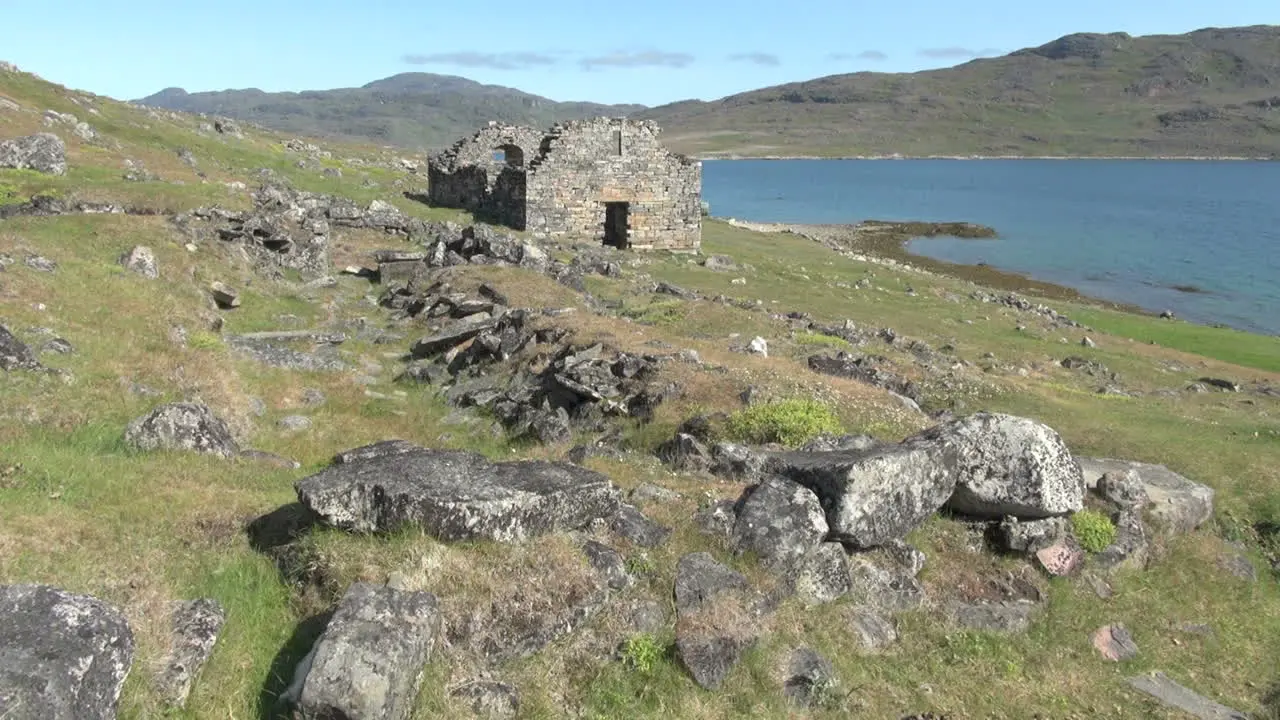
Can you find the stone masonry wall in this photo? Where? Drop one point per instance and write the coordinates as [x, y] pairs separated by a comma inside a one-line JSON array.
[[579, 169], [468, 177]]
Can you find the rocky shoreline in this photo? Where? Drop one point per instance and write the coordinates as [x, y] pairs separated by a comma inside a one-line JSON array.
[[885, 243]]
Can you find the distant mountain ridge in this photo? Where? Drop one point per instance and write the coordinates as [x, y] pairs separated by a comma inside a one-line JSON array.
[[412, 110], [1211, 92]]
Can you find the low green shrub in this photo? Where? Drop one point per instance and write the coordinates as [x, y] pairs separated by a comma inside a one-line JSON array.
[[642, 653], [789, 422], [658, 312], [204, 340], [1093, 529]]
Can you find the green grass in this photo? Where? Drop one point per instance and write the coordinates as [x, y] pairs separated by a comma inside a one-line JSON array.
[[1232, 346]]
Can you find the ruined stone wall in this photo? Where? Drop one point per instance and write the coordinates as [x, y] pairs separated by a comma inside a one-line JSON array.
[[468, 177], [579, 169]]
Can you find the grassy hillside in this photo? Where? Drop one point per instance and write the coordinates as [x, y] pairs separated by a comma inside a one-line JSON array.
[[81, 510], [1209, 92], [411, 110]]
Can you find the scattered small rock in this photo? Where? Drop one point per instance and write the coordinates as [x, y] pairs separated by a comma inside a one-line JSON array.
[[632, 525], [40, 263], [294, 423], [810, 677], [490, 699], [141, 260], [225, 297], [872, 630], [1171, 694], [1060, 559], [1010, 617], [1114, 643]]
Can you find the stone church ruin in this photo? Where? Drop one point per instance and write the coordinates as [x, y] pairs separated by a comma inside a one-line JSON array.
[[605, 178]]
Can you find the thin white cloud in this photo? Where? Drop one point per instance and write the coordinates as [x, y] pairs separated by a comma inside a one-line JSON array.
[[647, 58], [872, 55], [957, 53], [492, 61], [758, 58]]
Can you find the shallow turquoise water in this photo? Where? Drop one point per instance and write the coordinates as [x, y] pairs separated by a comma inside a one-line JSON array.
[[1125, 230]]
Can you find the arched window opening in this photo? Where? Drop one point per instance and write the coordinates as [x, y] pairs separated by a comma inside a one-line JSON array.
[[510, 155]]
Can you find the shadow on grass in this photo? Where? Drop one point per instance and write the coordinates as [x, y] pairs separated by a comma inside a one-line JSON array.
[[271, 706], [270, 532]]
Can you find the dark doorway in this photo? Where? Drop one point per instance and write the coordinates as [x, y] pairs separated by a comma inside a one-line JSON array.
[[615, 224]]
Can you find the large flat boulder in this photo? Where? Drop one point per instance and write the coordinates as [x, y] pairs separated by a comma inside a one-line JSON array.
[[1010, 466], [62, 656], [456, 495], [368, 662], [182, 426], [1176, 504], [874, 497]]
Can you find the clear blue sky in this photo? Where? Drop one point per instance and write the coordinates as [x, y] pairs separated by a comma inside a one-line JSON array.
[[647, 52]]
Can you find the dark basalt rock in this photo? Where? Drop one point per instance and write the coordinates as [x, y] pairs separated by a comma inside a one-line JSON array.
[[458, 495], [716, 625], [808, 676], [780, 522], [632, 524], [864, 368], [62, 656]]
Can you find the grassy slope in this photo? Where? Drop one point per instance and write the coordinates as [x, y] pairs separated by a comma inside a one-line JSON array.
[[1103, 96], [141, 530]]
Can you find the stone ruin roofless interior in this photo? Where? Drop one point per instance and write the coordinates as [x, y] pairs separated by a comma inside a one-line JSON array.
[[607, 179]]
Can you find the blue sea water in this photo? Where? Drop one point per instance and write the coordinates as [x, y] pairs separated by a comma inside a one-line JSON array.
[[1123, 230]]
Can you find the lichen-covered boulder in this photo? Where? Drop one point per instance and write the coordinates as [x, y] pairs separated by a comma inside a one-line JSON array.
[[457, 495], [15, 354], [141, 260], [1008, 465], [874, 497], [182, 426], [1176, 504], [196, 625], [62, 656], [780, 522], [368, 662], [42, 152]]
